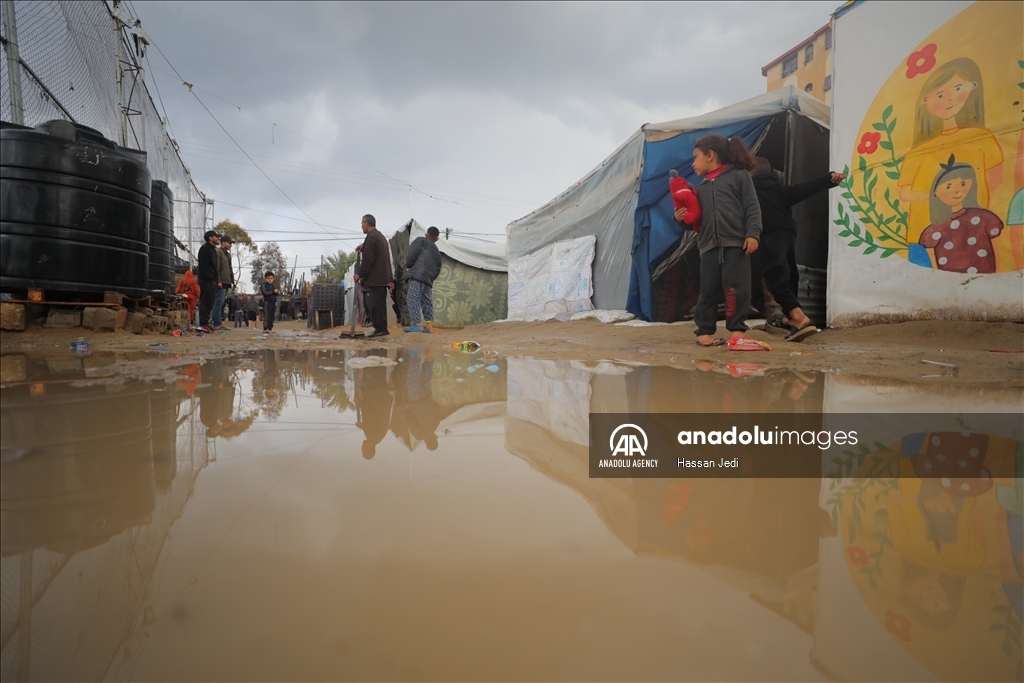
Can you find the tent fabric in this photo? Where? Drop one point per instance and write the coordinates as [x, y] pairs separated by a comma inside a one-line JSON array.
[[472, 287], [624, 201], [601, 204], [475, 254], [551, 281]]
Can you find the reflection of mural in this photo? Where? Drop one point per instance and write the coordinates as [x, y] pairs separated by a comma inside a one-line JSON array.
[[936, 552], [951, 112]]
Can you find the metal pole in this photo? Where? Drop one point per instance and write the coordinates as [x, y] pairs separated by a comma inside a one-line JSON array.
[[13, 68], [188, 186]]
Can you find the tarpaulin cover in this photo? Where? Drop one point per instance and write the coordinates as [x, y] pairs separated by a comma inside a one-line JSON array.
[[552, 280], [655, 230]]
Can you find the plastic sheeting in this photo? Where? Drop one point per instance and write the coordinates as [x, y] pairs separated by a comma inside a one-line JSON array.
[[553, 280], [600, 205]]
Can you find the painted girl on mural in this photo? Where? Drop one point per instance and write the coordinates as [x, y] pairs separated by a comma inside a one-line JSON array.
[[960, 232], [949, 119]]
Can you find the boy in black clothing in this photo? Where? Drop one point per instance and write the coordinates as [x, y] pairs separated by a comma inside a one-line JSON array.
[[270, 293], [778, 237]]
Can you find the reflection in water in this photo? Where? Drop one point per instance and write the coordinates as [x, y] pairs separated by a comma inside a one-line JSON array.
[[443, 557]]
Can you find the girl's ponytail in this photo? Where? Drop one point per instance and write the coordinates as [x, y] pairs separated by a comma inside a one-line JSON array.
[[732, 150], [739, 154]]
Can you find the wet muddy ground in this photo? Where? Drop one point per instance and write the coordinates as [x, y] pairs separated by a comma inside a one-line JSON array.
[[305, 509]]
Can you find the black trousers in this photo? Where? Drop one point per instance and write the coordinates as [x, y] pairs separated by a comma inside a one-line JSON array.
[[377, 307], [776, 249], [207, 300], [728, 280], [269, 309]]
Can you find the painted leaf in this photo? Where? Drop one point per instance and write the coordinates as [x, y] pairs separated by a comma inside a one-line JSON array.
[[887, 112]]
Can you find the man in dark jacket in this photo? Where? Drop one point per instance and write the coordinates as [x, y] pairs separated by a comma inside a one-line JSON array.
[[422, 266], [778, 237], [375, 274], [208, 274], [227, 280]]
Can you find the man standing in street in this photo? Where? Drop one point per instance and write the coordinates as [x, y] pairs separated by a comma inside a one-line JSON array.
[[422, 266], [226, 277], [208, 273], [375, 274]]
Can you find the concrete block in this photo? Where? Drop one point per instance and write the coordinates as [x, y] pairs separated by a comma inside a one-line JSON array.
[[156, 323], [63, 317], [100, 319], [120, 316], [144, 311], [135, 322], [12, 316], [113, 298], [13, 368]]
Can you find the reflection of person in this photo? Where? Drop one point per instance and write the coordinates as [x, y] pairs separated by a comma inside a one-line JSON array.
[[422, 266], [212, 397], [423, 413], [950, 119], [961, 232], [209, 277], [778, 236], [375, 274], [373, 407]]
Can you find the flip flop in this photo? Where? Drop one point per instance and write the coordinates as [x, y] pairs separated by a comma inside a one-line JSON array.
[[413, 329], [717, 341], [798, 335]]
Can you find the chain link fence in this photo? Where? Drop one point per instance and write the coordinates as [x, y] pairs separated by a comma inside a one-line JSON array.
[[82, 61]]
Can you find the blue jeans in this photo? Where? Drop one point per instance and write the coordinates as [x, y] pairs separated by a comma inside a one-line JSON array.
[[218, 306]]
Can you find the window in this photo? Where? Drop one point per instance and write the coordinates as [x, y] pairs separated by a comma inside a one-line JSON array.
[[789, 65], [828, 39], [828, 83], [809, 54], [809, 87]]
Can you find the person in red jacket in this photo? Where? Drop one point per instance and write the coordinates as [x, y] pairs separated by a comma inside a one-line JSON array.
[[188, 288]]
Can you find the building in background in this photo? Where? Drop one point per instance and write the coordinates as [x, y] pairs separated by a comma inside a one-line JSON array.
[[807, 66]]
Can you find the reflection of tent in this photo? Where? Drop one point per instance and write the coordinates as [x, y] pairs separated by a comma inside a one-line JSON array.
[[473, 285], [624, 202]]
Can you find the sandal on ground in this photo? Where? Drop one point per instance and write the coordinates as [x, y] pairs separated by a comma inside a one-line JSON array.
[[717, 341], [798, 335], [413, 328]]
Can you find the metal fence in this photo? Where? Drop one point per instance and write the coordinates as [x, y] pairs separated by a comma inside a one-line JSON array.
[[85, 61]]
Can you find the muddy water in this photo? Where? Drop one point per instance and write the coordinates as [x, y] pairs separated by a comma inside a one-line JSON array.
[[386, 516]]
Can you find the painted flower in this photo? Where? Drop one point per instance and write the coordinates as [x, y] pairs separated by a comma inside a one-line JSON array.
[[897, 624], [922, 61], [858, 556], [869, 142]]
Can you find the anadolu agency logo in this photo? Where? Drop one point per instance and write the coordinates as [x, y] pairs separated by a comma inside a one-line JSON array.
[[628, 445]]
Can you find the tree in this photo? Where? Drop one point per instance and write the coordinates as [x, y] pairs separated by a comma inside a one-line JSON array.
[[269, 258], [244, 248], [334, 267]]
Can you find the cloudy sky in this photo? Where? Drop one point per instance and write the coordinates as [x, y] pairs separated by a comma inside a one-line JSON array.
[[486, 111]]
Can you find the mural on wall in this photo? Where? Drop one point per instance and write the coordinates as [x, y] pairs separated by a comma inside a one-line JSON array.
[[932, 531], [938, 167]]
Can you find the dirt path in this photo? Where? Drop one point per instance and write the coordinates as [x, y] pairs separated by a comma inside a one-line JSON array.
[[966, 352]]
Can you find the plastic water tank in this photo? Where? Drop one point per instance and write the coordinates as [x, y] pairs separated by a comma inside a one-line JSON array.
[[161, 239], [74, 211]]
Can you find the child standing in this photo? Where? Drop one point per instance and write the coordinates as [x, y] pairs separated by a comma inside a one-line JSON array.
[[270, 293], [730, 230]]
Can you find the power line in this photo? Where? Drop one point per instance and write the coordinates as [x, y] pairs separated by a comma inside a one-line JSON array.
[[410, 186]]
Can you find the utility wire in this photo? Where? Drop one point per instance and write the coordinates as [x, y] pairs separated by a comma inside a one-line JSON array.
[[404, 183], [265, 175]]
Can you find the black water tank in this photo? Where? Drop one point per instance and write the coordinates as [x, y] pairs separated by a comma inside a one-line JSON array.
[[74, 211], [161, 239]]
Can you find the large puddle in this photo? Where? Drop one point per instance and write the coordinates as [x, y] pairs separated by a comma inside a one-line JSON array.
[[415, 516]]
